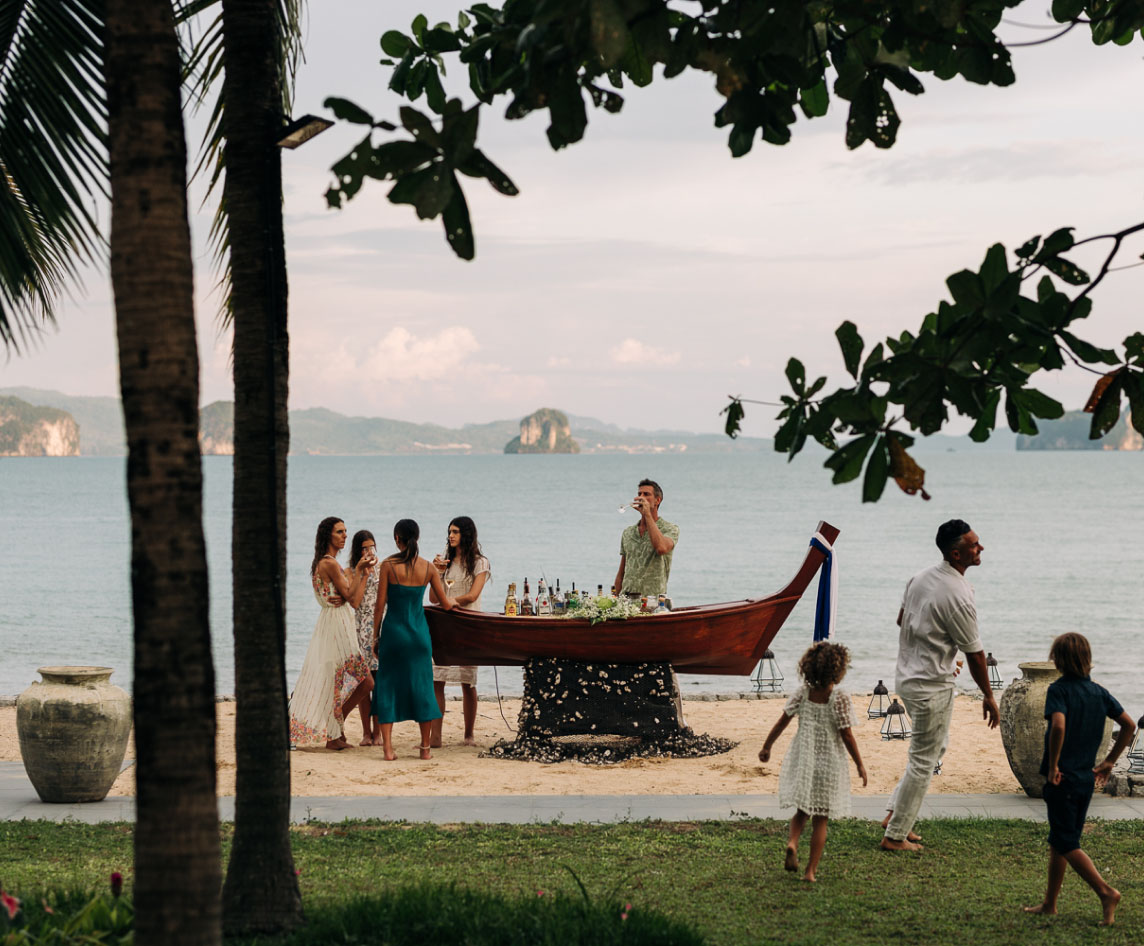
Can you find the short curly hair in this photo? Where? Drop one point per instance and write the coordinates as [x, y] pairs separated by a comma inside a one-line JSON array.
[[824, 664]]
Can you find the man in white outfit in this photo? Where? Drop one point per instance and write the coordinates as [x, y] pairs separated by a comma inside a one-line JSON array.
[[938, 618]]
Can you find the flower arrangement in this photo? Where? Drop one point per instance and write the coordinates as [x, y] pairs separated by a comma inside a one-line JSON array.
[[609, 609]]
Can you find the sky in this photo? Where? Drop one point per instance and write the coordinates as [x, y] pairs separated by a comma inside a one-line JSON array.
[[643, 275]]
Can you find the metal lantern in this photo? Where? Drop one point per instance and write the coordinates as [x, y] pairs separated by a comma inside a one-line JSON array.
[[995, 680], [767, 676], [877, 708], [1136, 750], [897, 723]]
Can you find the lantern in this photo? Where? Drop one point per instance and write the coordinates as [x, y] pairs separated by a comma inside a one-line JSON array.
[[1136, 750], [877, 707], [768, 677], [995, 680], [897, 723]]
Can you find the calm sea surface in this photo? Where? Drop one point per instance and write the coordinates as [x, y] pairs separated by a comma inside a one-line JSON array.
[[1061, 534]]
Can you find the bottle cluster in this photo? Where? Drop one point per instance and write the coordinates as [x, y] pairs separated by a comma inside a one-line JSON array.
[[551, 602]]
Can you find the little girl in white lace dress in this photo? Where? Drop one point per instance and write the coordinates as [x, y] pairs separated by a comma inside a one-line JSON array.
[[815, 777]]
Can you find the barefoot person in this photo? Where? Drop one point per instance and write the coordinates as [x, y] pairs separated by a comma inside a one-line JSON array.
[[335, 677], [1076, 709], [404, 687], [465, 572], [938, 618], [363, 547], [815, 778]]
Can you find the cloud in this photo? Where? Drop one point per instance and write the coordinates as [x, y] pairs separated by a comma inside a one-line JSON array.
[[402, 356], [744, 362], [631, 351]]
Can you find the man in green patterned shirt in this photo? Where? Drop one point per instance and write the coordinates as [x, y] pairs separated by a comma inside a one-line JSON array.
[[646, 547]]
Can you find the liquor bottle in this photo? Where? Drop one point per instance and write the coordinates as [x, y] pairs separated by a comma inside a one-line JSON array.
[[543, 602], [661, 603], [557, 595], [585, 598], [526, 602], [599, 591], [558, 605], [510, 606]]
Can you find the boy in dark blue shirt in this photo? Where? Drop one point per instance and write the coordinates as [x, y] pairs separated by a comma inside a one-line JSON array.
[[1076, 709]]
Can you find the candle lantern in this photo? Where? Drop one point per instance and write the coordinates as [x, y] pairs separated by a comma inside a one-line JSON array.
[[767, 676], [878, 702], [897, 723], [995, 680], [1136, 750]]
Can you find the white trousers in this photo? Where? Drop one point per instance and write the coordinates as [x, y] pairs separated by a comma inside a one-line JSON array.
[[929, 720]]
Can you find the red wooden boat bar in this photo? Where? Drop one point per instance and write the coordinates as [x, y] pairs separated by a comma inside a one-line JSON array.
[[728, 638]]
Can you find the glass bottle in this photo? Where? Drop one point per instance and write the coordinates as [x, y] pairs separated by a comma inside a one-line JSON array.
[[510, 606]]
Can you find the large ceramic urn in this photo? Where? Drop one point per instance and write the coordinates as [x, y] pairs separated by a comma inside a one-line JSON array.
[[73, 728], [1023, 724]]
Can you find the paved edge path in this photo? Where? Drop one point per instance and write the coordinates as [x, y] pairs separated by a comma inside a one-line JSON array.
[[18, 801]]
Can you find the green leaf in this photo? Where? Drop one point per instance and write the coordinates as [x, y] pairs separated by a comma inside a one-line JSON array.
[[994, 269], [347, 111], [1134, 347], [987, 419], [735, 415], [851, 344], [419, 25], [458, 226], [796, 375], [1106, 412], [1134, 387], [396, 158], [429, 191], [1041, 405], [847, 461], [1069, 272], [608, 30], [1028, 248], [438, 40], [1064, 11], [873, 359], [877, 472], [636, 65], [478, 165], [815, 101], [434, 91], [1055, 243], [420, 126], [965, 287], [1087, 352], [395, 43]]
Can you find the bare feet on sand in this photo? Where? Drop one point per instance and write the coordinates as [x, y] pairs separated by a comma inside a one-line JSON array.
[[1042, 908], [890, 845], [337, 745], [791, 860], [425, 753], [390, 755], [434, 743], [367, 741], [470, 741], [1108, 903]]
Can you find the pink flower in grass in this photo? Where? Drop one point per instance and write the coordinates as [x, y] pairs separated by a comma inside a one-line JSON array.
[[116, 884], [626, 910], [44, 904], [540, 893], [10, 903]]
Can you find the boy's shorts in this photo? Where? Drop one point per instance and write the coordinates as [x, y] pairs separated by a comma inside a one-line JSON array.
[[1067, 806]]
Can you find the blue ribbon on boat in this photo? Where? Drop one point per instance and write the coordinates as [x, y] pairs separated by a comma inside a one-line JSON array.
[[827, 606]]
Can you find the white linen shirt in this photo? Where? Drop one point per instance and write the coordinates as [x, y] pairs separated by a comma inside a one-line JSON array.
[[939, 618]]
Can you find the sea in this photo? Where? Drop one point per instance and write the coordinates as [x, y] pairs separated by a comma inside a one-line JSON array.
[[1061, 532]]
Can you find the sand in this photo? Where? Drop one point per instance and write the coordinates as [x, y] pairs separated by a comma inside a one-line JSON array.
[[974, 763]]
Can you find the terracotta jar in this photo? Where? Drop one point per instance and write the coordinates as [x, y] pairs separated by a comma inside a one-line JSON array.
[[1023, 724], [73, 728]]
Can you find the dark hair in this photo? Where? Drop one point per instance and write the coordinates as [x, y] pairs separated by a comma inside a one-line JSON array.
[[468, 549], [1072, 654], [407, 532], [654, 485], [823, 664], [322, 540], [948, 534], [360, 538]]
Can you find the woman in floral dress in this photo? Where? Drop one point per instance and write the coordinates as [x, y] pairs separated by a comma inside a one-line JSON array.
[[335, 677], [364, 547]]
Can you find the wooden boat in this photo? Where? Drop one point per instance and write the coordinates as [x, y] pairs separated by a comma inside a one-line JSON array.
[[727, 638]]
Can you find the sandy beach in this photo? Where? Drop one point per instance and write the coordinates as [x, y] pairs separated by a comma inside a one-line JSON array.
[[975, 762]]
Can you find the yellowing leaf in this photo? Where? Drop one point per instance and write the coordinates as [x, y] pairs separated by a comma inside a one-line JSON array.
[[905, 471]]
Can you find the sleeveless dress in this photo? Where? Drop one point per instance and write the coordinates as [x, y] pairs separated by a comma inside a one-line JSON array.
[[815, 776], [403, 687], [365, 618], [334, 667], [462, 585]]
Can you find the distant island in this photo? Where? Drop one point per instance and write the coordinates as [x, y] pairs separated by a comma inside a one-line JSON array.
[[28, 430], [544, 431], [1070, 432]]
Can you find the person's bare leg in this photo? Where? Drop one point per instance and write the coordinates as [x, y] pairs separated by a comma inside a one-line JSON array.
[[797, 823], [817, 844], [912, 836], [1109, 896], [364, 707], [469, 704], [426, 735], [1057, 865], [434, 739], [387, 741]]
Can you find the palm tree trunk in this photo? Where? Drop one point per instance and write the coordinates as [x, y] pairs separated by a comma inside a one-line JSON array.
[[177, 855], [261, 892]]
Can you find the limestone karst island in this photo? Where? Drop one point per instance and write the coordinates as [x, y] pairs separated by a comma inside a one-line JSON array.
[[544, 431]]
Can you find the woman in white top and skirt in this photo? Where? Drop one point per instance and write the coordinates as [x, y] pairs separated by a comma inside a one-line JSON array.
[[465, 572]]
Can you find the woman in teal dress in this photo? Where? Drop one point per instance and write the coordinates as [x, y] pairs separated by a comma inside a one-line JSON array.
[[403, 684]]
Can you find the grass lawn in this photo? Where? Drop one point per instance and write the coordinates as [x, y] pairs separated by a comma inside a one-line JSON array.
[[724, 879]]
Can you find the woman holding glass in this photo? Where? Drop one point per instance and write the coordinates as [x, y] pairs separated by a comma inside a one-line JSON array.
[[465, 572], [363, 548]]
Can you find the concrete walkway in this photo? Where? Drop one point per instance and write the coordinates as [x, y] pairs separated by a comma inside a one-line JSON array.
[[18, 801]]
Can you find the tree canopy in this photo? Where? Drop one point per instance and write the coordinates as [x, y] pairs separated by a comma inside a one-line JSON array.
[[774, 62]]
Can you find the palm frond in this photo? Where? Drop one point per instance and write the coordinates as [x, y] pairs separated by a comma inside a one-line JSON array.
[[204, 67], [53, 155]]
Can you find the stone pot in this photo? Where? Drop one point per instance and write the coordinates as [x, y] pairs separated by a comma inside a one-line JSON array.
[[73, 728], [1023, 724]]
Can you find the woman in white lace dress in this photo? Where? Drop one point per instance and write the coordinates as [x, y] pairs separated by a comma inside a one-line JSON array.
[[335, 677], [465, 572], [815, 777], [363, 547]]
